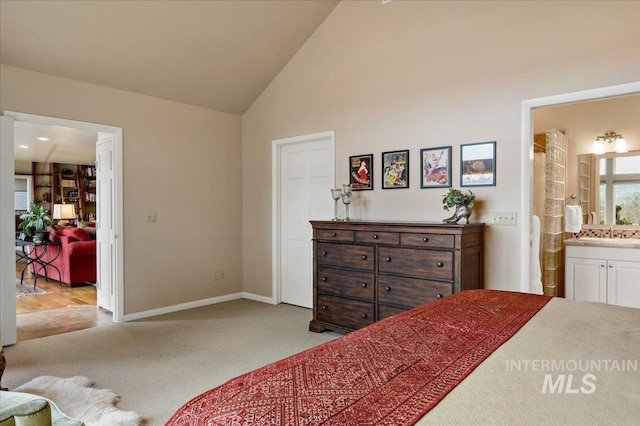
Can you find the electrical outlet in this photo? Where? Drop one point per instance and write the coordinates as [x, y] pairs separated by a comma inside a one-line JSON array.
[[504, 218], [218, 275], [152, 217]]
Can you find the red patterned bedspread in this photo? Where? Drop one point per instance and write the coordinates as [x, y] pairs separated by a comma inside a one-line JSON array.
[[389, 373]]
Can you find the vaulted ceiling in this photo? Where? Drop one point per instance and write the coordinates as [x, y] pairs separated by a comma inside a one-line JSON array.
[[215, 54]]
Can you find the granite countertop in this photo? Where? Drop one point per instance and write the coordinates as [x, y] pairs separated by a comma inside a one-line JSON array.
[[604, 242]]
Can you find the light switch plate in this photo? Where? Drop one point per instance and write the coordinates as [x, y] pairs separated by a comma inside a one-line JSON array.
[[504, 218]]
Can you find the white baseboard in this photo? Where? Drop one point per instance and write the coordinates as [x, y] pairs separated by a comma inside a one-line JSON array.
[[257, 298], [197, 304]]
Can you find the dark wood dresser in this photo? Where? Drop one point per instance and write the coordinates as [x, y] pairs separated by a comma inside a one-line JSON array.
[[365, 271]]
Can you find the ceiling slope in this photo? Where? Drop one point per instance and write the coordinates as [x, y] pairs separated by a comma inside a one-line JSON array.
[[214, 54]]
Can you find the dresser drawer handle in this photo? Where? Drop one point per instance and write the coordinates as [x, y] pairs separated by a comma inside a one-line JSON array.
[[324, 253], [387, 259], [333, 234], [324, 279], [375, 237], [363, 316], [439, 264], [438, 296], [425, 239], [323, 307], [363, 285], [363, 257], [387, 288]]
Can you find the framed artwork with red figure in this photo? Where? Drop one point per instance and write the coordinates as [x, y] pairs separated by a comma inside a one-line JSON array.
[[361, 172]]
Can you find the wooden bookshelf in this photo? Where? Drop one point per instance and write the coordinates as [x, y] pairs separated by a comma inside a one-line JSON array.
[[58, 183], [87, 183], [44, 188]]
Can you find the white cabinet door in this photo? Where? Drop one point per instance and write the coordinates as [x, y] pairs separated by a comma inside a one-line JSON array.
[[623, 283], [586, 280]]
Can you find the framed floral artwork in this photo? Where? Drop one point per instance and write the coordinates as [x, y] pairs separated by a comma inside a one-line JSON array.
[[361, 172], [478, 164], [395, 169], [436, 167]]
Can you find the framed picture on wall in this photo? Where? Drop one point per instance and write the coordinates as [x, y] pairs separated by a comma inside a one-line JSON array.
[[395, 169], [361, 172], [436, 167], [478, 164]]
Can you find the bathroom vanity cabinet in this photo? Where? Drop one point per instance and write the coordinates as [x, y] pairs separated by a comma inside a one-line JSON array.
[[603, 271]]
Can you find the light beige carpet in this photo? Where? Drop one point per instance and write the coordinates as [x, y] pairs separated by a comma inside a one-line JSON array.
[[159, 363]]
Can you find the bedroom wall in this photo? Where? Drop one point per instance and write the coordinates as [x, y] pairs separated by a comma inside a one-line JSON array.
[[179, 160], [410, 75]]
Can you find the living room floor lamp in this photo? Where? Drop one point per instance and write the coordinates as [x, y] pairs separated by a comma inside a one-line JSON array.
[[62, 212]]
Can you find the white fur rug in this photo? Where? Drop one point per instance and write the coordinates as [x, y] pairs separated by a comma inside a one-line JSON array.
[[76, 397]]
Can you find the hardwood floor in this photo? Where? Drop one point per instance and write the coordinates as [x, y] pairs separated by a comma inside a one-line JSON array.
[[61, 310]]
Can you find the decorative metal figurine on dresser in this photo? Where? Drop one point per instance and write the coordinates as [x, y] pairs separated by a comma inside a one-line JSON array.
[[365, 271]]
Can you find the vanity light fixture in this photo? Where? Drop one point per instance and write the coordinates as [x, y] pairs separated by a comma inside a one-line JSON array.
[[42, 138], [609, 137]]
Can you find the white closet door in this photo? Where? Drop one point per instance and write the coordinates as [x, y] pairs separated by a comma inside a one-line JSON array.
[[306, 177]]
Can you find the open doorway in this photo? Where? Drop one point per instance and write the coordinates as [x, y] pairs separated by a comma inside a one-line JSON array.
[[112, 213], [574, 178], [527, 115], [60, 164]]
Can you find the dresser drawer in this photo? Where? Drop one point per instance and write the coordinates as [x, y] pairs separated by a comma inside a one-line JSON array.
[[346, 313], [427, 240], [345, 255], [343, 282], [334, 235], [377, 237], [388, 311], [429, 264], [410, 292]]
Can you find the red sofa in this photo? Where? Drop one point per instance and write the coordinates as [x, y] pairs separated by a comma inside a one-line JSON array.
[[77, 259]]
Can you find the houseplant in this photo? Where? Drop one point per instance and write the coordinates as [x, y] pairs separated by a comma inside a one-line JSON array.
[[462, 202], [35, 222]]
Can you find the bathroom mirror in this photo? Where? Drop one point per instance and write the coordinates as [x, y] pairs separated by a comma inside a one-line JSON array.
[[617, 177]]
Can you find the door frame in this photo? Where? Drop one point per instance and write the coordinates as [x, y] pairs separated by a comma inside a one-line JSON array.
[[118, 311], [526, 200], [276, 199], [7, 230]]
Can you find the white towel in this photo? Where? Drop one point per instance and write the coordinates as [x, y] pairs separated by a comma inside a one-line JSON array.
[[573, 219], [535, 271]]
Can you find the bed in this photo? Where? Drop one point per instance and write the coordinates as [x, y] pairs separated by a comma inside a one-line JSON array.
[[479, 356]]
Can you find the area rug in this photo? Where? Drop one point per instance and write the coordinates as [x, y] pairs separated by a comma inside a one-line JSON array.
[[76, 397], [27, 289]]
